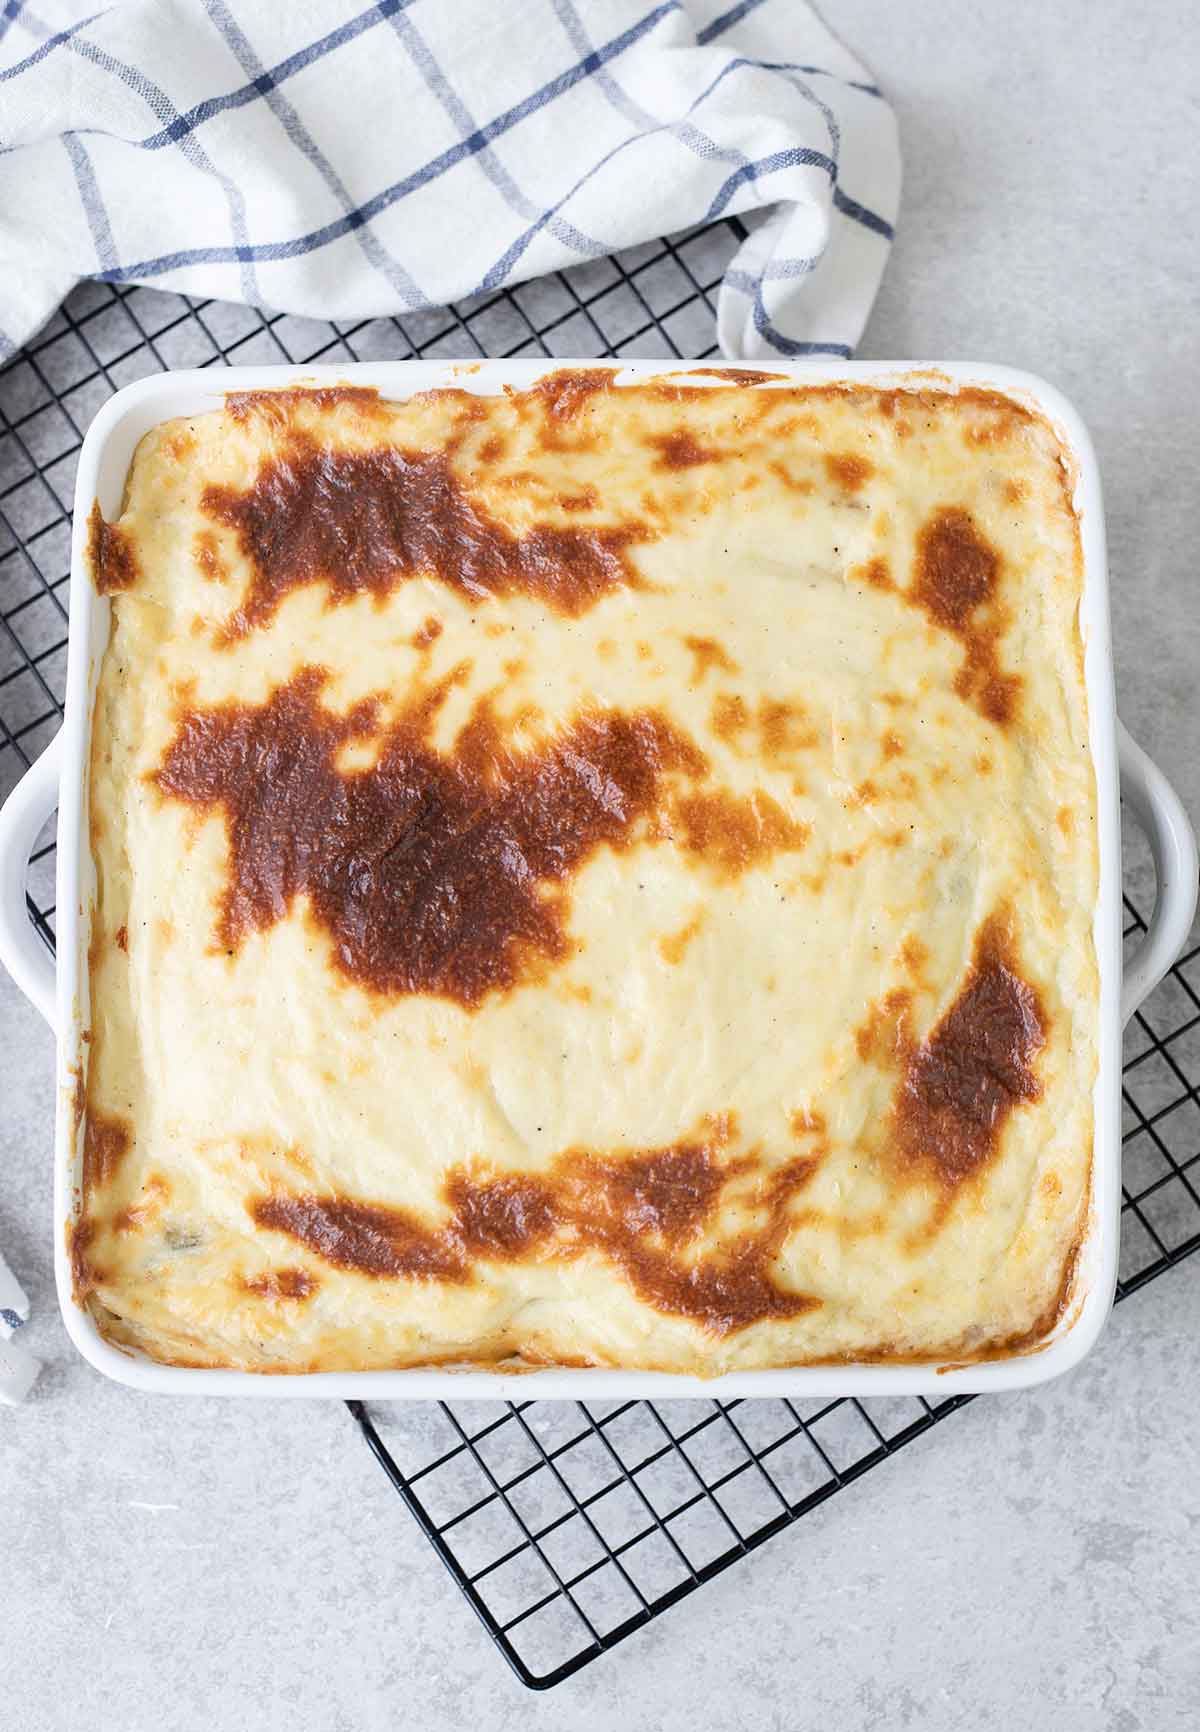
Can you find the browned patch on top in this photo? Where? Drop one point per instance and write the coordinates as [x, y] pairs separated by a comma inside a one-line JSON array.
[[154, 1192], [277, 408], [565, 394], [442, 874], [668, 1192], [993, 429], [848, 469], [427, 633], [493, 448], [279, 1284], [795, 483], [735, 832], [681, 449], [733, 375], [886, 1036], [960, 1084], [122, 938], [956, 568], [643, 1210], [877, 573], [964, 1080], [587, 499], [208, 556], [1001, 412], [708, 654], [1065, 819], [914, 954], [351, 1235], [497, 1218], [782, 727], [808, 1122], [431, 874], [78, 1101], [955, 580], [106, 1141], [111, 554], [995, 416], [95, 936], [730, 715], [672, 947], [85, 1275], [893, 745], [180, 444], [365, 522]]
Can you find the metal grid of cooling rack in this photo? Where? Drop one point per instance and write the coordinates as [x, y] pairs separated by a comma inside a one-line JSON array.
[[566, 1525]]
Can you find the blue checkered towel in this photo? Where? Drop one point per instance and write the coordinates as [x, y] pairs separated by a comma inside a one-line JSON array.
[[343, 161]]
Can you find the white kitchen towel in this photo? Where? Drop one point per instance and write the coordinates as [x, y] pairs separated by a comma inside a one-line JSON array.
[[14, 1306], [344, 161], [18, 1369]]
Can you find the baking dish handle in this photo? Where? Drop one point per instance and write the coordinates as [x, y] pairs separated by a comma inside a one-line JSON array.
[[21, 818], [1159, 811], [1153, 800]]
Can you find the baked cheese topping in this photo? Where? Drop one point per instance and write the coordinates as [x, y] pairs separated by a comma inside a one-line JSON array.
[[593, 875]]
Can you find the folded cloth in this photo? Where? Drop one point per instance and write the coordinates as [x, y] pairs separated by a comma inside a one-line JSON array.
[[343, 161], [19, 1372], [14, 1307], [18, 1369]]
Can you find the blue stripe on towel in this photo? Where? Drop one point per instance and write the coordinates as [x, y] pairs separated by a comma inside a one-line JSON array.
[[400, 189]]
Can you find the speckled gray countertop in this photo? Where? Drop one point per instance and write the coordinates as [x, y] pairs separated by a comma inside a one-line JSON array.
[[195, 1565]]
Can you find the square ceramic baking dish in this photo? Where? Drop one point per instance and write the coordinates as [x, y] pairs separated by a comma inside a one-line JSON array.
[[60, 776]]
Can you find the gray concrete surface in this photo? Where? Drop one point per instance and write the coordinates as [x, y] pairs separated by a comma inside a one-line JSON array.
[[1034, 1561]]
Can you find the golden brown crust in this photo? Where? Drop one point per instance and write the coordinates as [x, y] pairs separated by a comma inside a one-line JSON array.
[[433, 875], [372, 520], [111, 557]]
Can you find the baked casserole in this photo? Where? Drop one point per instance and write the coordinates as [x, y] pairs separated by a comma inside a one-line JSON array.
[[591, 875]]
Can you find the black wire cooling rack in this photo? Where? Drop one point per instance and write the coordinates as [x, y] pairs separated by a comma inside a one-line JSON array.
[[567, 1525]]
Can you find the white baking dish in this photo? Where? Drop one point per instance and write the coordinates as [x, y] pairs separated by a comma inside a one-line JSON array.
[[60, 775]]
